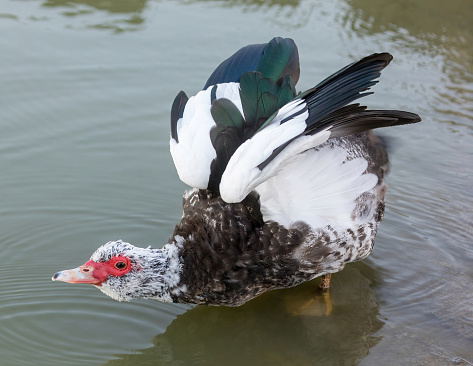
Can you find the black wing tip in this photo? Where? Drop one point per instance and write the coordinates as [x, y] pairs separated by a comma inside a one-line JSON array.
[[352, 120], [409, 117], [381, 60], [402, 117], [385, 57], [177, 111]]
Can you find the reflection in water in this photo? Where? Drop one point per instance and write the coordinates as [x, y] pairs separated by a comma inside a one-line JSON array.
[[73, 8], [434, 218], [254, 3], [286, 327], [431, 27], [423, 254], [288, 14], [442, 24], [128, 6]]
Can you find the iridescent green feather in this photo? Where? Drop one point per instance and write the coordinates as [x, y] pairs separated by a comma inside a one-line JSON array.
[[287, 92], [271, 86], [261, 97], [267, 105], [249, 95], [226, 114], [262, 93], [280, 58], [267, 85]]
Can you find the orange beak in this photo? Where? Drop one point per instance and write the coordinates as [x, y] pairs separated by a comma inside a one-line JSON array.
[[82, 274]]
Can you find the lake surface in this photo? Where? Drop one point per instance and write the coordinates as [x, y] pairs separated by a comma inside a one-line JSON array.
[[86, 89]]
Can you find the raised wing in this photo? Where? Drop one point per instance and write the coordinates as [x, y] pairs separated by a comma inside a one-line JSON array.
[[208, 128], [319, 114], [320, 188], [236, 134]]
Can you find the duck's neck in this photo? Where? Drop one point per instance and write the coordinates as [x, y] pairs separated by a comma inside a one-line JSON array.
[[157, 274], [169, 270]]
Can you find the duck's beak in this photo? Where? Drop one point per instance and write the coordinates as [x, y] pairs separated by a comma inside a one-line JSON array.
[[82, 274]]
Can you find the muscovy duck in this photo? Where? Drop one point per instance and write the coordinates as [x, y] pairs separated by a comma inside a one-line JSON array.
[[286, 187]]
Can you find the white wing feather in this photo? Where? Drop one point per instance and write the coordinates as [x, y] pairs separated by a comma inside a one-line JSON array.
[[319, 187], [242, 174], [194, 152]]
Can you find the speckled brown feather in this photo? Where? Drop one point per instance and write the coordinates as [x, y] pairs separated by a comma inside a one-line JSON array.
[[230, 256]]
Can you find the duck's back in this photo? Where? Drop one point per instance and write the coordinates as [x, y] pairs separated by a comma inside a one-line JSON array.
[[233, 256]]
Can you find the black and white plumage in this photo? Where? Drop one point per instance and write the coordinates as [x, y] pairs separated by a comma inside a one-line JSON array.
[[287, 186]]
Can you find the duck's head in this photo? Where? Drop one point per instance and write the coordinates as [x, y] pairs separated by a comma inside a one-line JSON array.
[[124, 272]]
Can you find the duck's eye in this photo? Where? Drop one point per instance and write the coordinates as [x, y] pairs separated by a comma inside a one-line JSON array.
[[120, 265]]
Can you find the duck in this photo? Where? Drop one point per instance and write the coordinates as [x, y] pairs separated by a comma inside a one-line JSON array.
[[286, 186]]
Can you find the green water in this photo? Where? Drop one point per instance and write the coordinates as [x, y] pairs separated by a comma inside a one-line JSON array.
[[85, 94]]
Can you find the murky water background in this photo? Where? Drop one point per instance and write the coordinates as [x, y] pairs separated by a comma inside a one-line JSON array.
[[85, 94]]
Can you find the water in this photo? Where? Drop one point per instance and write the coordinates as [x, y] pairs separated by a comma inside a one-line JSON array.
[[85, 94]]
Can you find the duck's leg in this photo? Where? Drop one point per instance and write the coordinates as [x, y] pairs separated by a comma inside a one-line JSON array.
[[325, 284], [323, 287]]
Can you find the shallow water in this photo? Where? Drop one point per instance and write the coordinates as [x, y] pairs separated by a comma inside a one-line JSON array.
[[85, 94]]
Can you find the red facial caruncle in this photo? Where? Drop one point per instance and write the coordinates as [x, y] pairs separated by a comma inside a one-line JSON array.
[[95, 273]]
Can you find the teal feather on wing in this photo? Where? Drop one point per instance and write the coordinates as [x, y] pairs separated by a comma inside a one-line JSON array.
[[287, 92], [261, 98], [280, 58], [267, 105], [226, 114], [262, 93], [249, 95], [267, 85], [268, 93]]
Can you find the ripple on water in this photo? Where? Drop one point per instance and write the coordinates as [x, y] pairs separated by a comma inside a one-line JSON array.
[[66, 189], [61, 322], [423, 255]]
